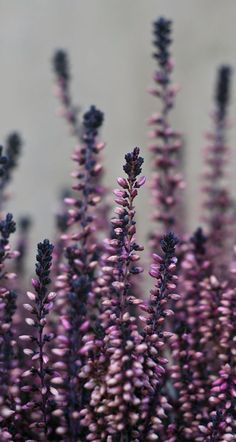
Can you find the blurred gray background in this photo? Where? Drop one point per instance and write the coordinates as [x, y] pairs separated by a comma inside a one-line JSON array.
[[109, 42]]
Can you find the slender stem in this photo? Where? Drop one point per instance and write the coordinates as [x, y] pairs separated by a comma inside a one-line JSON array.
[[41, 364]]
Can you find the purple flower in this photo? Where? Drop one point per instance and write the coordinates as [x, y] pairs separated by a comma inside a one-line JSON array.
[[61, 65], [68, 110], [166, 148], [41, 372]]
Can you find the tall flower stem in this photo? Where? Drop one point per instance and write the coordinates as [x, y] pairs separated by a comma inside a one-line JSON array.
[[77, 282], [63, 77], [42, 303], [167, 181], [218, 201], [117, 380], [163, 270]]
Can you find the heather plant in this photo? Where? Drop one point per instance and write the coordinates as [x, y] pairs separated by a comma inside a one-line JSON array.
[[218, 202], [68, 109], [87, 354], [167, 180], [41, 304]]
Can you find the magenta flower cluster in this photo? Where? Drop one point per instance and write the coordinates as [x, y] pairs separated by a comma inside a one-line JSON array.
[[86, 354]]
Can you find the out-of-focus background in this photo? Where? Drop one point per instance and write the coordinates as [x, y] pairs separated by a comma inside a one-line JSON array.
[[109, 43]]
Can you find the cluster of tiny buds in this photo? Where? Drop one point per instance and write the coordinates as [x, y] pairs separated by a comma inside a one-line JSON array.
[[166, 143], [8, 298], [77, 283], [163, 270], [87, 175], [162, 32], [13, 150], [61, 65], [41, 304], [123, 248], [199, 241], [120, 263], [218, 202], [7, 227], [93, 119], [62, 90], [223, 89], [3, 162], [9, 157]]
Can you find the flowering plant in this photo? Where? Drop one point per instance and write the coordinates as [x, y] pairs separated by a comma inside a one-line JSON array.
[[95, 358]]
